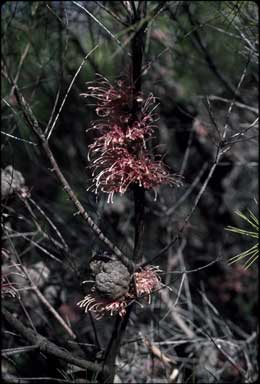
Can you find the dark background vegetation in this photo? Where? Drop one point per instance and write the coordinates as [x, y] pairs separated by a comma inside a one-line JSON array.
[[196, 54]]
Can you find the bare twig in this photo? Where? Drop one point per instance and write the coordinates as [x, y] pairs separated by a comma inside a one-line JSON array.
[[51, 309], [232, 103], [187, 152], [196, 269], [34, 125], [111, 13], [10, 379], [208, 58], [155, 351], [65, 245], [236, 103], [69, 88], [46, 346], [228, 357], [52, 112], [18, 350], [23, 57], [18, 138], [164, 295], [196, 202], [189, 190], [98, 22]]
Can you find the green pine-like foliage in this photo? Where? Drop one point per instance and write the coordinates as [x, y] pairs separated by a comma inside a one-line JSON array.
[[250, 255]]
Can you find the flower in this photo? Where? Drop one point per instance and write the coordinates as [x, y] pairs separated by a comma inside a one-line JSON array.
[[119, 154], [113, 101], [7, 284], [123, 135], [146, 281], [7, 288], [116, 169], [100, 306]]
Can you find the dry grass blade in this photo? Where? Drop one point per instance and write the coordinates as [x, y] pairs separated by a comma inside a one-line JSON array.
[[155, 351]]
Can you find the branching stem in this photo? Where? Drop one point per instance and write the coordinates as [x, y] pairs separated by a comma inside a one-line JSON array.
[[34, 125], [46, 346], [137, 57]]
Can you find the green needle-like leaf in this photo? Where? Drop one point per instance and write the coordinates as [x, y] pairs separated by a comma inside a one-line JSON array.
[[252, 253]]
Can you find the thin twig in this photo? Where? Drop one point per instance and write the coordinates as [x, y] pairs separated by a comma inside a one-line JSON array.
[[65, 245], [111, 13], [23, 57], [232, 103], [69, 88], [10, 379], [18, 138], [211, 116], [52, 112], [196, 202], [196, 269], [18, 350], [207, 56], [51, 309], [228, 357], [188, 192], [187, 152], [98, 22], [45, 345], [34, 125], [164, 295], [236, 103]]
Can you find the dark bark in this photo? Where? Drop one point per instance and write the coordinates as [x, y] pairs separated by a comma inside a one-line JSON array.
[[138, 43]]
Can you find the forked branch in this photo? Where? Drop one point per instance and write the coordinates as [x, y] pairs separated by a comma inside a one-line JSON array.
[[34, 125]]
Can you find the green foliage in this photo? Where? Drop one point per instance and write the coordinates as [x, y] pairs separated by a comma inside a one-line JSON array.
[[251, 254]]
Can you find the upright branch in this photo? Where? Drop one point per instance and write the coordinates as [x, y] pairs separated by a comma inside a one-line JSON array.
[[139, 201], [139, 193], [138, 44], [121, 161]]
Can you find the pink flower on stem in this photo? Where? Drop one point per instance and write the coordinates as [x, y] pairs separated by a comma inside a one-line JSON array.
[[119, 154], [147, 281], [116, 169], [101, 306], [113, 101]]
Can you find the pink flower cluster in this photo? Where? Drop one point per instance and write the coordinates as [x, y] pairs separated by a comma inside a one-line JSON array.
[[101, 306], [146, 280], [7, 288], [119, 154], [7, 283]]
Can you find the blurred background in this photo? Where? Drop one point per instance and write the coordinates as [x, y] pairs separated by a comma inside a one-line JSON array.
[[201, 62]]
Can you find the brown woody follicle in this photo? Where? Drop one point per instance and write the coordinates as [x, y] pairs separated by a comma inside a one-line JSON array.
[[112, 278]]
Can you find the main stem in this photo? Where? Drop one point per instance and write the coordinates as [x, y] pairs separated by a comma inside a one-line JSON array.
[[139, 199], [138, 43], [121, 324]]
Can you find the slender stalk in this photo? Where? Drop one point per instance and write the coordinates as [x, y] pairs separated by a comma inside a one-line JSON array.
[[113, 347], [138, 43], [139, 199]]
